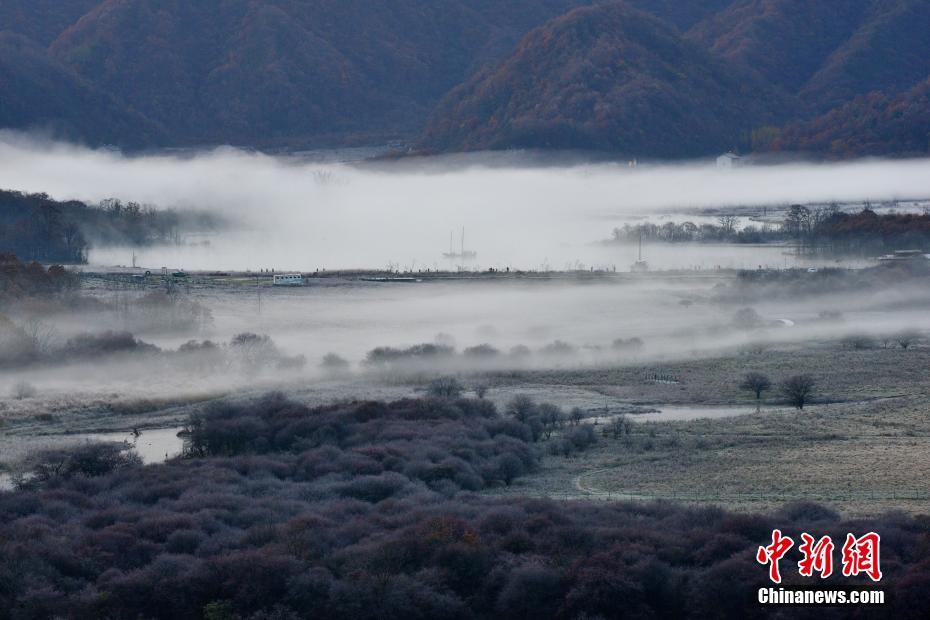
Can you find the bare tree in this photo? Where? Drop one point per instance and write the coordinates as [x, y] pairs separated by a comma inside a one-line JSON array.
[[522, 407], [75, 244], [797, 221], [727, 223], [40, 334], [576, 416], [798, 389], [23, 390], [254, 351], [445, 387], [619, 426], [746, 318], [551, 417], [907, 338], [755, 382]]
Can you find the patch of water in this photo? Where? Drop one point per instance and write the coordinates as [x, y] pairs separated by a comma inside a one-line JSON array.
[[675, 413], [154, 446]]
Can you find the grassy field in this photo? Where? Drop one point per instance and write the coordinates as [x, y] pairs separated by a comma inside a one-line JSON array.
[[862, 449], [842, 375]]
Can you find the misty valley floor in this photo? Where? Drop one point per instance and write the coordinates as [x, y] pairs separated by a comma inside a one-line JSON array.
[[861, 448]]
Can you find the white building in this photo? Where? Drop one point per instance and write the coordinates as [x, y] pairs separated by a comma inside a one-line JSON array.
[[289, 279], [729, 160]]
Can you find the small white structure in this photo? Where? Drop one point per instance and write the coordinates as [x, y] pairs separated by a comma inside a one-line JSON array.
[[288, 279], [901, 256], [729, 160]]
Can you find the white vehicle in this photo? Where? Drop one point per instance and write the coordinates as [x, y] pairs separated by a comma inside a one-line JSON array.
[[288, 279]]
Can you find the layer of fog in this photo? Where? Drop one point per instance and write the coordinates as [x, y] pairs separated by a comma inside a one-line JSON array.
[[676, 319], [295, 214]]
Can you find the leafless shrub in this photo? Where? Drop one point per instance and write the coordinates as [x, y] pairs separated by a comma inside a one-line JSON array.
[[798, 389], [23, 390], [746, 318], [90, 460], [755, 382], [907, 338], [334, 365], [619, 427], [576, 416], [445, 387], [522, 407]]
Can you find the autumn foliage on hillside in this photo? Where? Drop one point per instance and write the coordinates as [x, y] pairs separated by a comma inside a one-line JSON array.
[[604, 78], [786, 41], [873, 124], [610, 78], [636, 77], [246, 72]]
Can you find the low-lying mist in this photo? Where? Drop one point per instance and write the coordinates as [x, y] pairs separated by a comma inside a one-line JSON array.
[[294, 214], [397, 331]]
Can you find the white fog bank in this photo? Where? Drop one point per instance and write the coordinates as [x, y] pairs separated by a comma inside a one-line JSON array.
[[291, 214]]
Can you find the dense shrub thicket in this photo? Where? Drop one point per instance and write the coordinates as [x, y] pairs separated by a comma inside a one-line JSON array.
[[19, 279], [444, 444], [367, 510]]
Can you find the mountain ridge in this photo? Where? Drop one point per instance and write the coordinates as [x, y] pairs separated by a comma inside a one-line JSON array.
[[594, 79], [293, 74]]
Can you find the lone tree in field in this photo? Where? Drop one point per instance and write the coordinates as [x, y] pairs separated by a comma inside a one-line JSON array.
[[747, 318], [755, 382], [798, 389], [907, 338]]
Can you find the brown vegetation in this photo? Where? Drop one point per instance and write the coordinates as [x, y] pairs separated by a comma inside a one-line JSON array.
[[364, 511]]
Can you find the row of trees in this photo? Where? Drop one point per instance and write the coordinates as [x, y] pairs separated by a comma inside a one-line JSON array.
[[905, 339], [42, 229], [796, 389], [830, 230], [825, 229], [36, 342], [724, 231], [435, 356]]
